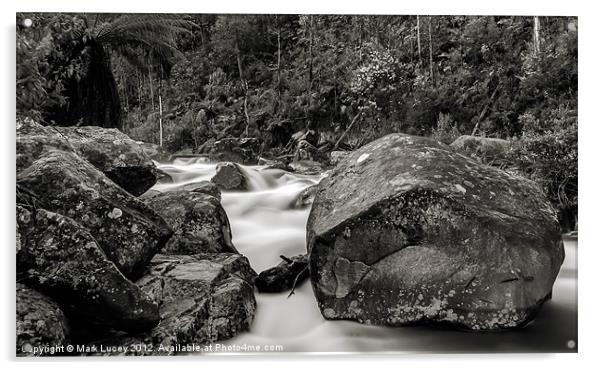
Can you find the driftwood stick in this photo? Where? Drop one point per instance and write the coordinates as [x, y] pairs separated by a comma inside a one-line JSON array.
[[295, 281], [336, 145], [288, 260]]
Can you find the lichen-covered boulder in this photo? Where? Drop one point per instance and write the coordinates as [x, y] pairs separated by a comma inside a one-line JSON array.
[[202, 298], [127, 230], [60, 258], [122, 159], [337, 156], [40, 322], [35, 140], [229, 176], [286, 275], [406, 230], [198, 220]]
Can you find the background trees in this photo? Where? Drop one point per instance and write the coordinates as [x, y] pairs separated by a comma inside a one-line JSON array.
[[271, 76]]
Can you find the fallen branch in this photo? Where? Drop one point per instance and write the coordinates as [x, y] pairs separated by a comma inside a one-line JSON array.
[[295, 281], [336, 145], [482, 115]]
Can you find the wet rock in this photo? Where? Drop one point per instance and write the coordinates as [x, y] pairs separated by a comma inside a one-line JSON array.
[[406, 230], [229, 176], [242, 150], [60, 258], [487, 148], [122, 159], [109, 150], [127, 230], [40, 322], [306, 198], [202, 298], [304, 167], [163, 177], [198, 220], [273, 164], [290, 272], [205, 187]]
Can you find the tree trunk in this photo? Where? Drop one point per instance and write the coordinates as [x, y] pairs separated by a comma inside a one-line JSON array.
[[150, 84], [160, 121], [245, 86], [418, 40], [431, 52], [536, 37], [311, 54], [361, 38], [278, 66]]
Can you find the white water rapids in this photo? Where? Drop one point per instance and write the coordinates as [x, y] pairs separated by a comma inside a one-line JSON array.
[[265, 226]]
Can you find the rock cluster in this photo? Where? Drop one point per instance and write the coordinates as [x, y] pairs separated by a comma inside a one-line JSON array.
[[88, 250]]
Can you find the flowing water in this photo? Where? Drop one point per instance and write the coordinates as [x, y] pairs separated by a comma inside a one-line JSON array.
[[265, 225]]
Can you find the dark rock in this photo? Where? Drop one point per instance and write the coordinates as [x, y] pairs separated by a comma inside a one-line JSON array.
[[127, 230], [60, 258], [202, 298], [283, 277], [242, 150], [40, 322], [229, 176], [406, 230], [198, 220], [122, 159], [163, 177], [304, 167], [487, 148]]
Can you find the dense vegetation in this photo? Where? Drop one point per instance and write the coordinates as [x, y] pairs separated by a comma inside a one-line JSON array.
[[189, 80]]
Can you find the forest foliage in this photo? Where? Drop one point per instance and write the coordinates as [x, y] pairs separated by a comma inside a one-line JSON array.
[[206, 77]]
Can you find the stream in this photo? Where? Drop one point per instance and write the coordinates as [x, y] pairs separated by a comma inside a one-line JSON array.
[[265, 225]]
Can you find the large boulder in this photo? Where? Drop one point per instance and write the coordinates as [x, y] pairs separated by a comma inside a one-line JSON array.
[[202, 299], [60, 258], [112, 152], [198, 220], [406, 230], [122, 159], [40, 323], [229, 176], [128, 231]]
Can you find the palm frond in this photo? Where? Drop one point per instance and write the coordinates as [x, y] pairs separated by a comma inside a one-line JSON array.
[[154, 33]]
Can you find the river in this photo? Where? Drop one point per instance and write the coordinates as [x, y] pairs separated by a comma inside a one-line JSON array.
[[265, 226]]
